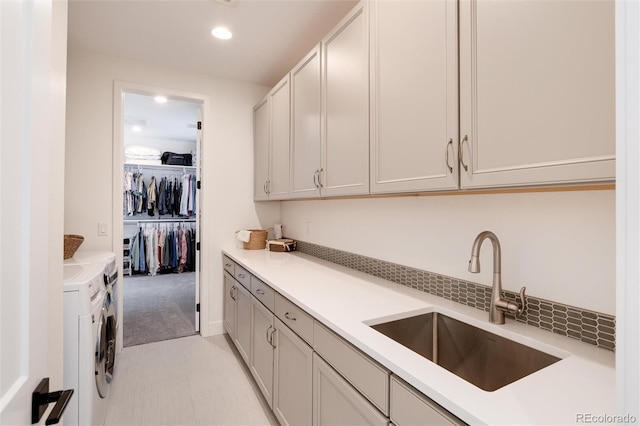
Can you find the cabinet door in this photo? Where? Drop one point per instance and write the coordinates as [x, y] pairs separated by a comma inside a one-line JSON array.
[[335, 402], [261, 365], [261, 150], [229, 308], [278, 186], [410, 407], [536, 92], [305, 126], [292, 387], [243, 322], [414, 95], [345, 93]]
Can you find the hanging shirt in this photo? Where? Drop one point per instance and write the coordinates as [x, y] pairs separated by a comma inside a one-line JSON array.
[[142, 256], [151, 196]]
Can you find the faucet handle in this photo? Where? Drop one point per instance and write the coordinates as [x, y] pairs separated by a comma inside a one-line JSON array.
[[523, 302]]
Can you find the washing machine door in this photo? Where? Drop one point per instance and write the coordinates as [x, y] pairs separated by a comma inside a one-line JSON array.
[[105, 349]]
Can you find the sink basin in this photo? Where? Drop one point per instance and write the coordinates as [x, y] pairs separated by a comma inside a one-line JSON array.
[[484, 359]]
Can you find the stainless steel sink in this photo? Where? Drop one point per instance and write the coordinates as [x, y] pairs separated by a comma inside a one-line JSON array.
[[482, 358]]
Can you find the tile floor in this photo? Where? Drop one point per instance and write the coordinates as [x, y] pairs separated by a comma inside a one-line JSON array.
[[186, 381]]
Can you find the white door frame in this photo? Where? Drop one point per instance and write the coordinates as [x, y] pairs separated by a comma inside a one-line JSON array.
[[628, 207], [119, 89]]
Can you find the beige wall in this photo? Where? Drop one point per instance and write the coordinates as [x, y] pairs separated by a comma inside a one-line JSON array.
[[227, 192], [560, 245]]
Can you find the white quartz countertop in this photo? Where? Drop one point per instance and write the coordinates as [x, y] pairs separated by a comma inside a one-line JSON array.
[[347, 301]]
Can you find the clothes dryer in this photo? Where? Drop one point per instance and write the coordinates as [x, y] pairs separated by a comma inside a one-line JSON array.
[[89, 343]]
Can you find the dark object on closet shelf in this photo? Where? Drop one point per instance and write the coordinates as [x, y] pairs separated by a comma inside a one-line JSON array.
[[173, 159]]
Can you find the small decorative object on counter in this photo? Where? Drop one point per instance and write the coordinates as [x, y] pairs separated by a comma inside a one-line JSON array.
[[277, 231], [71, 244], [282, 244], [253, 239]]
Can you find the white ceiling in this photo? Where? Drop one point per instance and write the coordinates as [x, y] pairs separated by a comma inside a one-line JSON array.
[[270, 36], [173, 120]]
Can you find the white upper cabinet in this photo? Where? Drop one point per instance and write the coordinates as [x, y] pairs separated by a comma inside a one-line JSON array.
[[414, 95], [271, 144], [345, 98], [305, 126], [537, 87], [261, 150]]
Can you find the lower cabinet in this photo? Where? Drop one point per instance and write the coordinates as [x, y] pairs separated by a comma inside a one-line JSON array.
[[310, 375], [292, 386], [242, 338], [336, 402], [410, 407], [229, 308], [261, 359]]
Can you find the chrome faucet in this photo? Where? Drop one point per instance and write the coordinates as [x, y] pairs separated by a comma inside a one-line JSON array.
[[498, 305]]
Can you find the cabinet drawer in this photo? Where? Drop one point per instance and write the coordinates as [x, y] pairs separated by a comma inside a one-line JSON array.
[[294, 317], [228, 265], [371, 379], [262, 292], [243, 276], [411, 407]]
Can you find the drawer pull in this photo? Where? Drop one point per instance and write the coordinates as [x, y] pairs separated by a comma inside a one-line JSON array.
[[288, 316], [260, 291], [228, 265], [241, 275]]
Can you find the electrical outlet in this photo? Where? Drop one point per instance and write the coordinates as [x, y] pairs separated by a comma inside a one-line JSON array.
[[103, 231]]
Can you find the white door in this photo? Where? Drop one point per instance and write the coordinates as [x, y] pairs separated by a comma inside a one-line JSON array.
[[30, 131]]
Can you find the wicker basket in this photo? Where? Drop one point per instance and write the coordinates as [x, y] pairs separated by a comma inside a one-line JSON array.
[[258, 239], [71, 244]]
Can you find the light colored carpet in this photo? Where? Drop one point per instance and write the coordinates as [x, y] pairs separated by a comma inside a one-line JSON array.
[[158, 308]]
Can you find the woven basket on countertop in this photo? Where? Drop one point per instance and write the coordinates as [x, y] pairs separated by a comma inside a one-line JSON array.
[[258, 239], [71, 244]]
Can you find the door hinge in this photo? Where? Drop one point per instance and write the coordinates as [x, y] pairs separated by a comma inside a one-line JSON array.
[[198, 246], [198, 185], [199, 125], [197, 307]]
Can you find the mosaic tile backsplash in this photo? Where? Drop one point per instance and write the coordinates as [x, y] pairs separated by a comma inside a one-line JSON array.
[[591, 327]]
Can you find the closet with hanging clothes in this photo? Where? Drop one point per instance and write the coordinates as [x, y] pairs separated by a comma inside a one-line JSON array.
[[160, 219]]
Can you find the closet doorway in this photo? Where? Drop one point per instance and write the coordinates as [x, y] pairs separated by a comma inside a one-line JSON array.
[[160, 210]]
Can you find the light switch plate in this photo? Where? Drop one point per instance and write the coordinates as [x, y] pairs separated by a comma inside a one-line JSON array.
[[103, 231]]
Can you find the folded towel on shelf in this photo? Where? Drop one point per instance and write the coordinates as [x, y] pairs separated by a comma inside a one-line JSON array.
[[138, 152], [244, 236]]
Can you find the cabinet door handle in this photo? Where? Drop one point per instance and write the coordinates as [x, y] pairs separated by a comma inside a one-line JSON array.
[[450, 143], [315, 178], [290, 317], [231, 292], [272, 337], [260, 291], [460, 158], [269, 186], [320, 178], [267, 334]]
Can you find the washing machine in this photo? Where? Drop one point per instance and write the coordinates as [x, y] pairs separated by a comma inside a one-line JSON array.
[[110, 269], [89, 342]]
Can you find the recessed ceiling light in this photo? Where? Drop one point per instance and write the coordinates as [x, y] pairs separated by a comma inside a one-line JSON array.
[[160, 99], [136, 128], [221, 33]]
